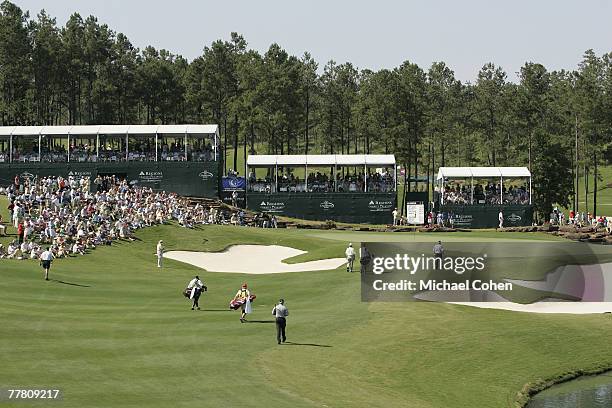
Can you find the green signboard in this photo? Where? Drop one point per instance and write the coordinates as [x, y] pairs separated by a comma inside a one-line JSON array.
[[196, 179], [486, 216], [366, 208]]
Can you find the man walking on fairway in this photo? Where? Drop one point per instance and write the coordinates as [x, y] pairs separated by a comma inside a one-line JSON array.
[[196, 286], [45, 261], [160, 253], [281, 312], [350, 257]]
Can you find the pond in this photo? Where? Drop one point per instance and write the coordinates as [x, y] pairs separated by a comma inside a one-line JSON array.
[[584, 392]]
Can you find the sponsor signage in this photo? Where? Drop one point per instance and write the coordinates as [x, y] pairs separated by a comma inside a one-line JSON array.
[[79, 173], [206, 175], [229, 183], [326, 205], [381, 205], [272, 206], [514, 218], [150, 176]]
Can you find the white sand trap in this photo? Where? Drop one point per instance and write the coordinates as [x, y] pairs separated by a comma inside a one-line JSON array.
[[545, 307], [253, 259]]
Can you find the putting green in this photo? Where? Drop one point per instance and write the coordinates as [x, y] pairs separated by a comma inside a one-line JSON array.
[[111, 329]]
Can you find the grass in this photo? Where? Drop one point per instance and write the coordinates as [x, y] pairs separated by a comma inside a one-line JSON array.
[[110, 329]]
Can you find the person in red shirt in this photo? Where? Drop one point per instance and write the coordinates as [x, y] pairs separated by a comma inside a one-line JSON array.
[[20, 232]]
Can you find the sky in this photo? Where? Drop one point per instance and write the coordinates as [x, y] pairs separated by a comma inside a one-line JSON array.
[[373, 34]]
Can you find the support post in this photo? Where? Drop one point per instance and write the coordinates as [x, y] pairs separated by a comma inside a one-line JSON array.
[[156, 142], [395, 177], [127, 136], [501, 190], [11, 148], [306, 178], [472, 191], [275, 178], [529, 189], [40, 147], [98, 146], [365, 178], [335, 178], [185, 145]]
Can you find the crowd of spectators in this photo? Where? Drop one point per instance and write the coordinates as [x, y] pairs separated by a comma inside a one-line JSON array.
[[323, 183], [72, 215], [138, 151], [490, 193]]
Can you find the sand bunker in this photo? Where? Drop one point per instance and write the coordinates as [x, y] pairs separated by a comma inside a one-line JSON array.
[[545, 306], [253, 259]]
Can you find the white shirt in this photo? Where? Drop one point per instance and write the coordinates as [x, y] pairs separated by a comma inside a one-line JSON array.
[[195, 283], [395, 213], [46, 256], [501, 216], [350, 252], [160, 249]]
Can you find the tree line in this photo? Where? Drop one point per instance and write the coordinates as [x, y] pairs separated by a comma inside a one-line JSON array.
[[558, 123]]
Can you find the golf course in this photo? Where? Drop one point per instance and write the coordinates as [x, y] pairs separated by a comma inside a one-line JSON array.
[[111, 329]]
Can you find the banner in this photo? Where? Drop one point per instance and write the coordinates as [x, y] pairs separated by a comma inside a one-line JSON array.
[[233, 183], [487, 216], [366, 208], [195, 179]]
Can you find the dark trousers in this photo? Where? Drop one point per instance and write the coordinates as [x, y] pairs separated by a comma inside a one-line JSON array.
[[196, 298], [281, 323]]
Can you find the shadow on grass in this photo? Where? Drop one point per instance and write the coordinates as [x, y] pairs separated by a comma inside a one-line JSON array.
[[217, 310], [70, 283], [290, 343], [260, 321]]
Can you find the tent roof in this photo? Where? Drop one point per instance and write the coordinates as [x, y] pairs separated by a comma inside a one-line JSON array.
[[265, 160], [482, 172], [108, 130]]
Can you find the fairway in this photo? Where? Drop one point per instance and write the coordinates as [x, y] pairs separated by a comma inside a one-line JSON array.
[[110, 329]]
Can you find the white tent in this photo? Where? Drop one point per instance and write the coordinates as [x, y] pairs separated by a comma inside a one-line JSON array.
[[322, 160], [111, 130], [482, 172], [471, 173]]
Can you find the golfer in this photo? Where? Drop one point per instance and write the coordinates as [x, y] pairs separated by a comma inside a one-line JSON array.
[[160, 253], [365, 257], [45, 261], [350, 257], [281, 312], [196, 286], [438, 251], [500, 216]]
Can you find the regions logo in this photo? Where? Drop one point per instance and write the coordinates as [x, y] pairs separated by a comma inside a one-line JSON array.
[[150, 176], [326, 205], [381, 205], [205, 175], [272, 206], [27, 175], [79, 173], [514, 217]]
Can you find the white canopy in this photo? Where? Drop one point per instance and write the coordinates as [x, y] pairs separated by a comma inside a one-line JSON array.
[[265, 160], [109, 130], [482, 172]]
